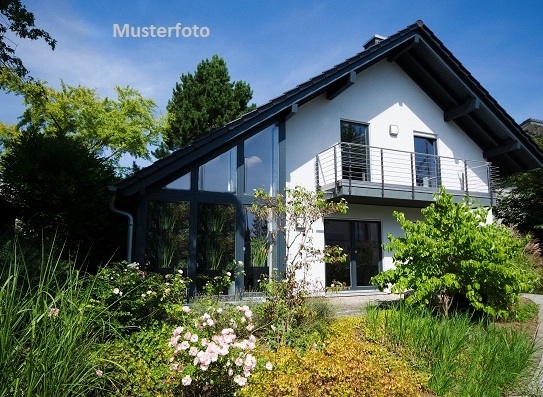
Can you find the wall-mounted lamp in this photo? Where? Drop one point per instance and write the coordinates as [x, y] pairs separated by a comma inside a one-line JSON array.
[[393, 130]]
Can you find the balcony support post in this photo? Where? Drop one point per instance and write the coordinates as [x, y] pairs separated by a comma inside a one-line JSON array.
[[412, 176], [382, 174], [466, 173], [335, 171]]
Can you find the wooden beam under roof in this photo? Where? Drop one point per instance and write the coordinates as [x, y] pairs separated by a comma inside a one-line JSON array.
[[464, 108], [350, 80]]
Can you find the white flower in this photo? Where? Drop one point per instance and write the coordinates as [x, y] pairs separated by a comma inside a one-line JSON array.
[[269, 366], [99, 372], [180, 271], [186, 381], [53, 312], [186, 309], [117, 291], [240, 380]]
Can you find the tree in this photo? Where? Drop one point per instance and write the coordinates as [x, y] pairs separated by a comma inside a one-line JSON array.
[[20, 21], [520, 198], [202, 102], [106, 127], [58, 188], [455, 253]]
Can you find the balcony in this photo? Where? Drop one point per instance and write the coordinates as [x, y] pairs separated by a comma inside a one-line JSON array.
[[373, 175]]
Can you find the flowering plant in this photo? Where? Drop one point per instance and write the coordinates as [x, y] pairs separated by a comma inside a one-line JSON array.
[[134, 295], [213, 351]]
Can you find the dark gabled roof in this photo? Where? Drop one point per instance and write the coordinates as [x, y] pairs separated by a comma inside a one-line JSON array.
[[531, 121], [424, 59]]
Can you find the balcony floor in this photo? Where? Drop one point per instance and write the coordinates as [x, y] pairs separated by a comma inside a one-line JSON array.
[[374, 193]]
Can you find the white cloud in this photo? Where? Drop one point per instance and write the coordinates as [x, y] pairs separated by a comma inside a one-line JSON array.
[[252, 161]]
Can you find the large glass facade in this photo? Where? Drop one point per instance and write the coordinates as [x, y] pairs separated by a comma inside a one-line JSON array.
[[167, 235], [261, 161], [181, 183]]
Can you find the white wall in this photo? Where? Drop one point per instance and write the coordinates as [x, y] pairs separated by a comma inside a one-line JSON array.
[[382, 95]]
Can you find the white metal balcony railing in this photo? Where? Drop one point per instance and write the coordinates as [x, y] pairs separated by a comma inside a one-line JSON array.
[[350, 166]]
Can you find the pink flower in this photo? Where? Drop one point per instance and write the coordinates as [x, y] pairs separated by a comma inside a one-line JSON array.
[[194, 338], [193, 351], [184, 345], [187, 335], [99, 372], [240, 380], [186, 381], [239, 361], [250, 327]]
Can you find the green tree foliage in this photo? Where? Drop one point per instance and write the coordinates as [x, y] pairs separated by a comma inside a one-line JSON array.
[[520, 200], [455, 253], [58, 189], [106, 127], [17, 19], [202, 102]]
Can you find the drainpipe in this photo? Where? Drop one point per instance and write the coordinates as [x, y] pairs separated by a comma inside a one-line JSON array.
[[113, 192]]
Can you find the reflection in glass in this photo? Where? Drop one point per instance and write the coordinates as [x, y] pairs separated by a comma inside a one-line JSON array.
[[181, 183], [166, 243], [261, 160], [256, 251], [216, 237], [219, 174], [354, 151]]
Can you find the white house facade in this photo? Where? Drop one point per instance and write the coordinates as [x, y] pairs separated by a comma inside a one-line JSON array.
[[383, 130]]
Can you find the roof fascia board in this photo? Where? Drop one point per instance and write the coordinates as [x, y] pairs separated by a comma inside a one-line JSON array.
[[414, 43]]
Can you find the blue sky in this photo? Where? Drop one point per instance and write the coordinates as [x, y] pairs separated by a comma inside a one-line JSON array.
[[276, 45]]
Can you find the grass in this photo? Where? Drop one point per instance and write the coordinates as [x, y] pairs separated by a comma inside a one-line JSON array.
[[464, 357], [47, 341]]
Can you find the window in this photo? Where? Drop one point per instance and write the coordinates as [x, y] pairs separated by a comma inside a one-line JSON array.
[[354, 151], [219, 174], [181, 183], [167, 239], [426, 162], [261, 160]]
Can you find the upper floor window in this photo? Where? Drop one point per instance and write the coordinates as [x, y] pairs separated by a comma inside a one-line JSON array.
[[261, 161], [219, 174], [426, 162], [354, 151]]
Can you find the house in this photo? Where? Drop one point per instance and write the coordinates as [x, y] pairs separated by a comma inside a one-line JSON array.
[[383, 130], [532, 126]]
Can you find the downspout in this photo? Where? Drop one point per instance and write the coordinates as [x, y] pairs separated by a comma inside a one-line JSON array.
[[129, 236]]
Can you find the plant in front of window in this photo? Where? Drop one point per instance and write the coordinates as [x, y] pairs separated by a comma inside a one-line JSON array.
[[292, 216], [455, 255]]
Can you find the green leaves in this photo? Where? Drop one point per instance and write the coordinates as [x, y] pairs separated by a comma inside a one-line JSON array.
[[456, 252]]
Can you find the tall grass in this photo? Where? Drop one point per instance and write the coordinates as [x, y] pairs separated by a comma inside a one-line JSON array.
[[47, 337], [465, 358]]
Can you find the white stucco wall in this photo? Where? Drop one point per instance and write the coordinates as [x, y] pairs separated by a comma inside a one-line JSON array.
[[382, 95]]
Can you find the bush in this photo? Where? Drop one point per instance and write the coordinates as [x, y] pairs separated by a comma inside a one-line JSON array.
[[136, 297], [347, 366], [455, 254]]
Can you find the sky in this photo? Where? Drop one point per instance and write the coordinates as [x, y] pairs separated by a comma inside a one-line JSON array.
[[275, 45]]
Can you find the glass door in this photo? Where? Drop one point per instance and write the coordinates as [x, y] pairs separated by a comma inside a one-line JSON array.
[[426, 162], [361, 241], [354, 151]]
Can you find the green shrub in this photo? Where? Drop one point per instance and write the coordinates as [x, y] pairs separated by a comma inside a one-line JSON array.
[[463, 357], [138, 365], [454, 253], [347, 366], [136, 297]]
